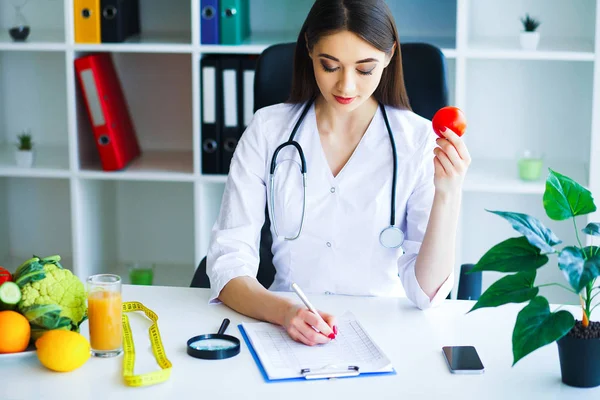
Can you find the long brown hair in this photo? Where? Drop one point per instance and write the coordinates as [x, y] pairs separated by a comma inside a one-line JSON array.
[[371, 20]]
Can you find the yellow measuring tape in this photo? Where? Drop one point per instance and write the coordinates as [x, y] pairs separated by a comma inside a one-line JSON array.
[[150, 378]]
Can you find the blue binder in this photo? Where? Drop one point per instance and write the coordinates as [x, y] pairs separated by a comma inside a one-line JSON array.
[[351, 372], [209, 23]]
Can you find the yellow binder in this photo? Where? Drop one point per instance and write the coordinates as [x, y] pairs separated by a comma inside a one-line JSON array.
[[87, 21]]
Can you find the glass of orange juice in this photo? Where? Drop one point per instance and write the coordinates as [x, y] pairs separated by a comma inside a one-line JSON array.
[[104, 315]]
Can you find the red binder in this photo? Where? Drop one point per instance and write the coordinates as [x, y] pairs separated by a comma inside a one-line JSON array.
[[107, 109]]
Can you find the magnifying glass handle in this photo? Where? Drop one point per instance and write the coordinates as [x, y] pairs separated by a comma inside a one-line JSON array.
[[224, 326]]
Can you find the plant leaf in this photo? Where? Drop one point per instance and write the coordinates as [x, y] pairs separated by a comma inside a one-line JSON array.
[[532, 228], [564, 198], [591, 251], [578, 271], [516, 288], [592, 229], [46, 315], [570, 261], [33, 272], [24, 266], [511, 255], [536, 327]]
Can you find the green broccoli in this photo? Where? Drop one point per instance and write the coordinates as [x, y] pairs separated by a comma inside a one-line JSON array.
[[52, 297]]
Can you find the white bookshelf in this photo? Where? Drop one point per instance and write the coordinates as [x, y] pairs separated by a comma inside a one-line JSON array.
[[161, 209]]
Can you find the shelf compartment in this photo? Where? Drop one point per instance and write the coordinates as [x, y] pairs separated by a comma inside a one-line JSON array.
[[271, 22], [548, 49], [501, 176], [165, 26], [214, 179], [50, 161], [152, 165], [33, 96], [514, 106], [46, 20], [428, 21], [35, 218], [481, 230], [567, 29], [256, 43], [145, 43], [124, 222], [211, 194], [39, 40], [280, 22], [451, 79], [158, 91]]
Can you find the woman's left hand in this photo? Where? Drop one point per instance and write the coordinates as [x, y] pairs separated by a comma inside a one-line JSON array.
[[451, 162]]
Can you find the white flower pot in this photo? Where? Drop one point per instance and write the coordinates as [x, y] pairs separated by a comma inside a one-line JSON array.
[[24, 158], [530, 40]]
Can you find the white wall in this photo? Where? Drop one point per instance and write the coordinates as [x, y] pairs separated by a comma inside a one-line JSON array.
[[483, 230], [574, 21], [518, 105], [39, 218], [4, 233], [33, 96], [155, 222], [41, 15]]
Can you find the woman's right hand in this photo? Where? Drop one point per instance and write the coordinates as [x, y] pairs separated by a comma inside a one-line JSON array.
[[299, 322]]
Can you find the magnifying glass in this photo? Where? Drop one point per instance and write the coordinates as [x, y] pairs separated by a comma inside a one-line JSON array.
[[214, 346]]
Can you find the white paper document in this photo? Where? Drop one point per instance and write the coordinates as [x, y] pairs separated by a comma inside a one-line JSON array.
[[283, 358]]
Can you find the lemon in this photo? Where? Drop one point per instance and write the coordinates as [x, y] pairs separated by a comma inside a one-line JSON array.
[[62, 351]]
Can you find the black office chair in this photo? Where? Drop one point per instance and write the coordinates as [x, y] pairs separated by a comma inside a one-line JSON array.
[[425, 79], [469, 284]]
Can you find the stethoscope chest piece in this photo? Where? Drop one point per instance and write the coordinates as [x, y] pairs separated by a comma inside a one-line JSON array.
[[391, 237]]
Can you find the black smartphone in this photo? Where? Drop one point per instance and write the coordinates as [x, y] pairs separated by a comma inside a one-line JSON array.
[[463, 360]]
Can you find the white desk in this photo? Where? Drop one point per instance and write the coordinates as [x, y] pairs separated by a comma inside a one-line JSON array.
[[410, 337]]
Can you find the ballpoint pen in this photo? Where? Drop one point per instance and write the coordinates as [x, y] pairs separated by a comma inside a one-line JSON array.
[[308, 305]]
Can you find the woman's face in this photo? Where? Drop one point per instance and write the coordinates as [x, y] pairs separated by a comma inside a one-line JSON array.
[[347, 69]]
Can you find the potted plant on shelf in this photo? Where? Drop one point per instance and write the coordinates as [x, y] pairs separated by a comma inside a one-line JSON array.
[[530, 37], [24, 153], [578, 341]]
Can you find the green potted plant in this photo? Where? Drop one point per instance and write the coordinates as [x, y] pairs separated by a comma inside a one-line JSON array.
[[530, 37], [24, 153], [578, 341]]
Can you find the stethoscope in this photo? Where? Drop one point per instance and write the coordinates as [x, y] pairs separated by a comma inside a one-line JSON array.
[[390, 237]]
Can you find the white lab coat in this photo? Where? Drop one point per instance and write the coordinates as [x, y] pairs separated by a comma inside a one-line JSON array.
[[338, 251]]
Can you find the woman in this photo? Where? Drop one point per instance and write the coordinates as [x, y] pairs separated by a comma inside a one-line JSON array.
[[348, 61]]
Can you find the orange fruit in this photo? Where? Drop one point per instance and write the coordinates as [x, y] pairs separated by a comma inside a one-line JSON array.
[[62, 351], [15, 332]]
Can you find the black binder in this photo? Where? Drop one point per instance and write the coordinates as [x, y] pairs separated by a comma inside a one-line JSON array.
[[247, 85], [211, 114], [231, 81], [244, 67], [120, 19]]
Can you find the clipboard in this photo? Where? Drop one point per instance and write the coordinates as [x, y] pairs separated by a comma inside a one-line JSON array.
[[328, 371]]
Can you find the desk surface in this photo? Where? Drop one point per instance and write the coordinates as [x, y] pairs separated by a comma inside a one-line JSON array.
[[410, 337]]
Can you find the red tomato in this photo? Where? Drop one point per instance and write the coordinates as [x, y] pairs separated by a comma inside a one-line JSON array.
[[449, 117], [4, 275]]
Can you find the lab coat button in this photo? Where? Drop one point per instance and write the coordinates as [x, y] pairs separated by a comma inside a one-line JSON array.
[[332, 190], [328, 244]]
